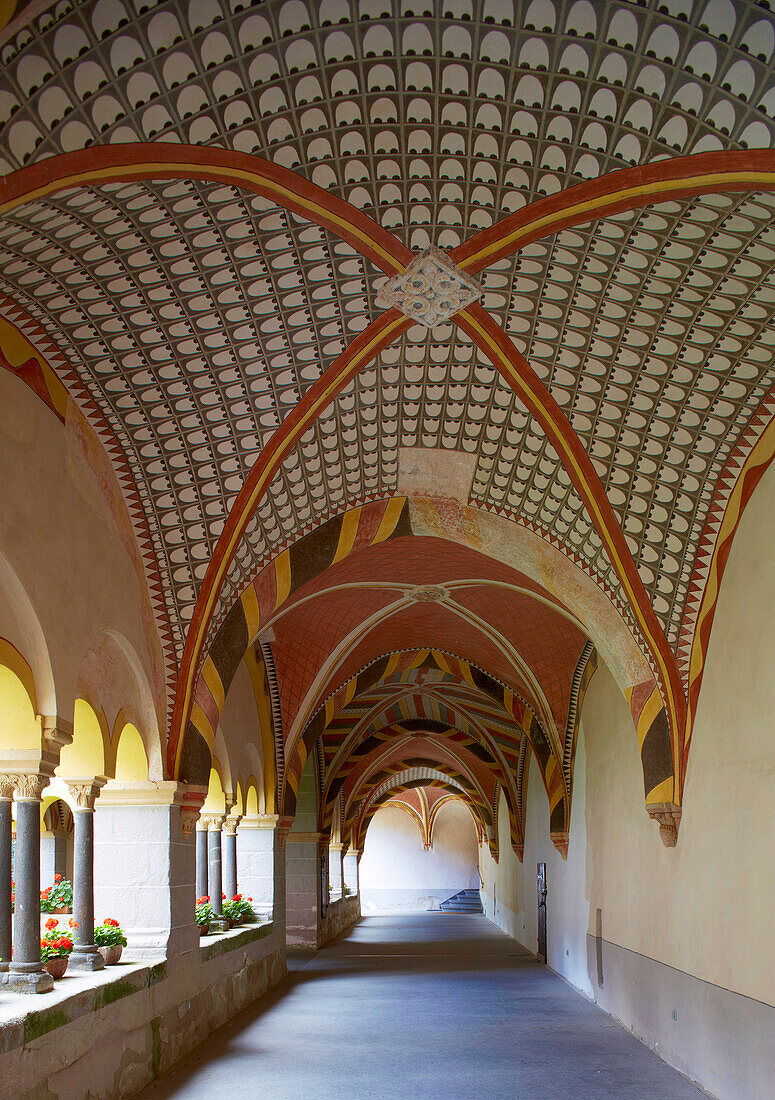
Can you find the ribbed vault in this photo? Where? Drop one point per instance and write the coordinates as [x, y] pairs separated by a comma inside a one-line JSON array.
[[200, 208]]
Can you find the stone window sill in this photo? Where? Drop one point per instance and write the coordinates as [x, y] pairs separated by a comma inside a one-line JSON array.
[[25, 1017], [222, 942]]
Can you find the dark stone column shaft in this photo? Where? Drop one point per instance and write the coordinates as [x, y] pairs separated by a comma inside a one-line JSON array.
[[5, 882], [215, 888], [229, 864], [201, 862], [26, 918], [85, 955]]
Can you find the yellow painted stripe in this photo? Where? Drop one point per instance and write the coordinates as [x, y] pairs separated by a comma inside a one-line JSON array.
[[651, 709], [392, 664], [202, 723], [250, 606], [263, 707], [195, 171], [213, 681], [348, 533], [350, 689], [596, 207], [762, 452], [282, 575], [441, 661], [508, 700], [663, 792], [18, 349], [389, 519], [329, 710], [468, 675]]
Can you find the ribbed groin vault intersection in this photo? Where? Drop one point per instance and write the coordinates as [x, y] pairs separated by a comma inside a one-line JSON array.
[[386, 548]]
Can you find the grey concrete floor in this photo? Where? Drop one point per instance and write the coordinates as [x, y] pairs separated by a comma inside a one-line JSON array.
[[422, 1005]]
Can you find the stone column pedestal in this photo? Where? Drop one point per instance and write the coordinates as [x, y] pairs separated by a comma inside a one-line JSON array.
[[144, 866], [257, 855]]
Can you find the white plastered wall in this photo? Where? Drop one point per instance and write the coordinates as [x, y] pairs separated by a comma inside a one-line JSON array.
[[66, 535], [687, 951], [396, 873]]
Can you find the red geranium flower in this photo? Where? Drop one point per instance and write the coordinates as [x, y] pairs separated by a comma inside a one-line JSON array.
[[52, 923], [237, 897], [57, 878], [73, 922], [110, 922], [203, 900], [223, 897]]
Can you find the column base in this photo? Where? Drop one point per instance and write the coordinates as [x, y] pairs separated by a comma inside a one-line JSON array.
[[39, 981], [219, 925], [87, 958]]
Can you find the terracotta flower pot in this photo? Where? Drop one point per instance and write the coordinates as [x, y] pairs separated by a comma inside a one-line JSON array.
[[56, 967], [204, 929], [111, 954]]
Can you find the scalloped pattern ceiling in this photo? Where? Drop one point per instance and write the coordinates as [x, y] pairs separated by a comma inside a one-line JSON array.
[[196, 315]]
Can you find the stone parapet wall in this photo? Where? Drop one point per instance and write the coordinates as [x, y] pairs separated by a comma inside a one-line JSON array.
[[341, 915], [120, 1029]]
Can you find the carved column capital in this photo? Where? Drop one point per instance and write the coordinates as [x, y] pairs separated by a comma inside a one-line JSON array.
[[8, 786], [213, 821], [190, 820], [85, 792], [669, 817], [284, 826], [29, 786], [230, 825]]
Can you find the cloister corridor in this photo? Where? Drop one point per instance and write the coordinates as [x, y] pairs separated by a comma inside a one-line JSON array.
[[387, 549], [422, 1004]]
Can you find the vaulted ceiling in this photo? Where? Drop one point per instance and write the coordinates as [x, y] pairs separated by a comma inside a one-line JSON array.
[[202, 204]]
